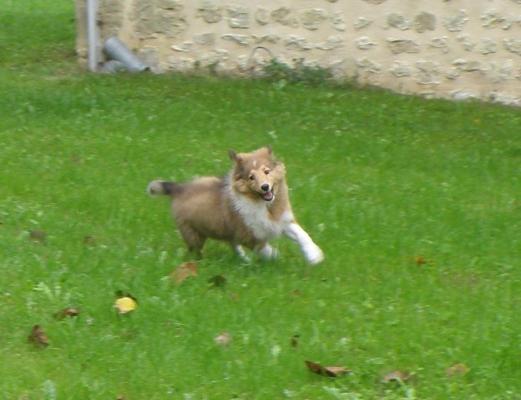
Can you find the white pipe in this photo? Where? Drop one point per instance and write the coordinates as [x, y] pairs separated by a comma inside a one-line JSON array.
[[92, 34]]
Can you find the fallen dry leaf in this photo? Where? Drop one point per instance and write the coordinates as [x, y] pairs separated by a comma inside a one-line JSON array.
[[458, 369], [38, 236], [419, 260], [184, 271], [67, 312], [38, 336], [125, 303], [223, 339], [396, 376], [332, 372]]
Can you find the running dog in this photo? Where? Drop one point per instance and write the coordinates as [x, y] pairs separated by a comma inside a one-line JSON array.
[[246, 208]]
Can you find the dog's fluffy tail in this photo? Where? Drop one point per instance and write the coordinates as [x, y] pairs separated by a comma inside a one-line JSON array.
[[168, 188]]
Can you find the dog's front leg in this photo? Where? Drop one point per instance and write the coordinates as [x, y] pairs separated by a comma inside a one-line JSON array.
[[311, 251]]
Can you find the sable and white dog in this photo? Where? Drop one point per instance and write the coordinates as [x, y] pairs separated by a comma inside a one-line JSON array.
[[246, 208]]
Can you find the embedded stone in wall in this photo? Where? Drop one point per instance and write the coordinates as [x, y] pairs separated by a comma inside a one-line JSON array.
[[513, 45], [428, 73], [398, 46], [440, 43], [331, 43], [297, 43], [466, 41], [243, 40], [150, 56], [362, 22], [501, 72], [505, 98], [210, 12], [112, 11], [337, 19], [456, 22], [185, 47], [492, 19], [312, 18], [398, 21], [205, 39], [364, 43], [369, 66], [463, 95], [401, 69], [488, 46], [152, 19], [269, 38], [175, 5], [453, 73], [283, 16], [238, 17], [262, 16], [181, 63], [467, 66], [424, 22]]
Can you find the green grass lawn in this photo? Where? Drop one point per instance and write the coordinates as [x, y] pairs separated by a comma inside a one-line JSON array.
[[416, 204]]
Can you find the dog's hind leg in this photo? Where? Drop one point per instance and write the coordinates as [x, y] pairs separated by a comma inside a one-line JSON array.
[[239, 250], [310, 250], [193, 239]]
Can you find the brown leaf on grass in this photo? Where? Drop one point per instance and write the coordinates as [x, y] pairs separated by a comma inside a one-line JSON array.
[[217, 281], [458, 369], [183, 272], [223, 339], [67, 312], [396, 376], [420, 260], [38, 337], [332, 371], [37, 236]]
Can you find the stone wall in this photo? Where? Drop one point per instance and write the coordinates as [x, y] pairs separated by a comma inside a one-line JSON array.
[[439, 48]]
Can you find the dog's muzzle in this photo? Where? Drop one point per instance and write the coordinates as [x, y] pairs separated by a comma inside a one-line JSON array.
[[267, 193]]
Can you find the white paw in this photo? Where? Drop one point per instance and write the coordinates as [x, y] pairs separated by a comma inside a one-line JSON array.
[[268, 252], [314, 254]]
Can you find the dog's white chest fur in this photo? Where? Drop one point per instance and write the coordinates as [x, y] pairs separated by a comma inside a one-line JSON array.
[[256, 217]]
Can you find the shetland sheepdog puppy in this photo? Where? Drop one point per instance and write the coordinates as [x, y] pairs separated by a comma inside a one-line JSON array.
[[246, 208]]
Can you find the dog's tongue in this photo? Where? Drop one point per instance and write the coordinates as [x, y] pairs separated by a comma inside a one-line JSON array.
[[268, 196]]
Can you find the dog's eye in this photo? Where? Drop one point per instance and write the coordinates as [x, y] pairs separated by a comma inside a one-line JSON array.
[[251, 177], [266, 171]]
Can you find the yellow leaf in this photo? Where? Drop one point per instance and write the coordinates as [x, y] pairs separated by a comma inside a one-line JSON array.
[[125, 305]]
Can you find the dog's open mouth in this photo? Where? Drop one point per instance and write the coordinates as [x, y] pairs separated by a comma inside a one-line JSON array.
[[268, 196]]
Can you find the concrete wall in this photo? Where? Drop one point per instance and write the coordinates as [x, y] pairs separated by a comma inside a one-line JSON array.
[[440, 48]]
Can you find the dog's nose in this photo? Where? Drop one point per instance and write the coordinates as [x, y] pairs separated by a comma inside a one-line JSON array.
[[265, 187]]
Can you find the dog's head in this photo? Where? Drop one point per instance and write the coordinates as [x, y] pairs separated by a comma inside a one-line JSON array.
[[257, 174]]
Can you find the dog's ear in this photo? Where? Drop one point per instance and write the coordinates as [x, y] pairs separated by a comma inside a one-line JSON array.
[[234, 157], [232, 154], [269, 149]]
